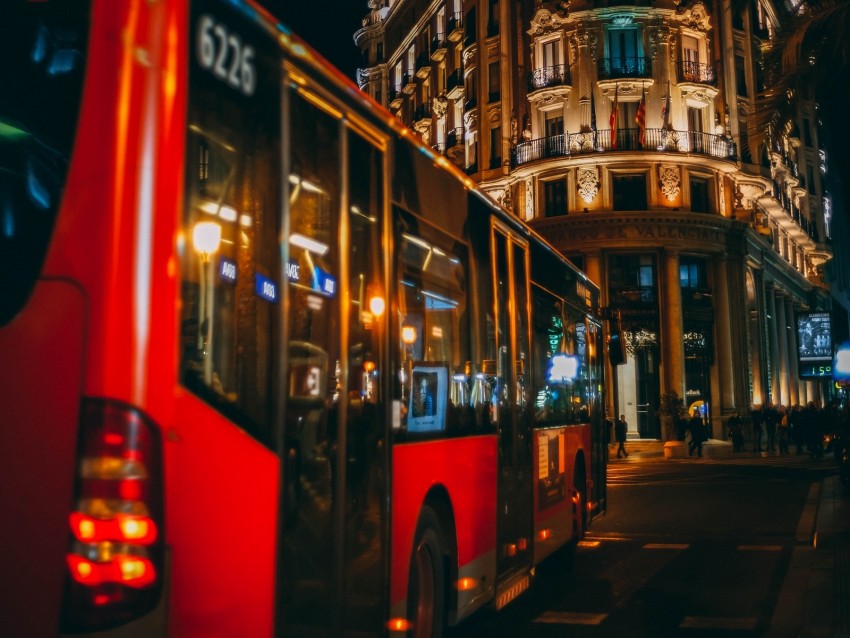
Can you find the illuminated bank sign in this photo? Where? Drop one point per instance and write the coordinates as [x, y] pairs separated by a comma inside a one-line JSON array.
[[814, 344]]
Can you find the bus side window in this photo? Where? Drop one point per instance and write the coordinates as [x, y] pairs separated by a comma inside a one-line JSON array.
[[433, 328]]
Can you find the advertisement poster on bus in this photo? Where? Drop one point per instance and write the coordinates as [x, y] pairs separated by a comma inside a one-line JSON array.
[[428, 396], [551, 478]]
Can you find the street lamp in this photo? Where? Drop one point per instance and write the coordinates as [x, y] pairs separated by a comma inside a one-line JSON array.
[[206, 240]]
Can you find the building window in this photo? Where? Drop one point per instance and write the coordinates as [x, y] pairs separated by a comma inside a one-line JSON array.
[[496, 146], [692, 272], [623, 51], [810, 179], [807, 132], [493, 18], [629, 192], [630, 271], [555, 197], [741, 76], [493, 81], [554, 123], [700, 195]]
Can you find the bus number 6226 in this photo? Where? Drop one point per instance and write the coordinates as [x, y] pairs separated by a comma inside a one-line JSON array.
[[224, 54]]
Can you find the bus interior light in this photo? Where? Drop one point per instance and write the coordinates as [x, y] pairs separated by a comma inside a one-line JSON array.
[[309, 244]]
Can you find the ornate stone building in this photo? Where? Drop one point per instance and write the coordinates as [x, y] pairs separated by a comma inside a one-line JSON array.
[[618, 130]]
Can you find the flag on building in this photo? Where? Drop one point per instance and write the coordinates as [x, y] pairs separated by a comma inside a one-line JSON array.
[[614, 117], [640, 118], [665, 108], [592, 111]]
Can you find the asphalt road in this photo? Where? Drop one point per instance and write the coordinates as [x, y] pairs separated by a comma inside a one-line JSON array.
[[687, 548]]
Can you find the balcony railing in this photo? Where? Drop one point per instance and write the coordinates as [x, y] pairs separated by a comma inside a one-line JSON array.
[[454, 84], [697, 73], [558, 75], [422, 112], [619, 68], [423, 64], [625, 140]]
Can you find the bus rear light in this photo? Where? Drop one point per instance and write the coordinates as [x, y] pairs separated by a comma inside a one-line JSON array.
[[116, 554], [121, 528], [132, 571]]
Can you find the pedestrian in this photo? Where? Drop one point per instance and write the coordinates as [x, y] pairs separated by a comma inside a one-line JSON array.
[[695, 426], [795, 427], [757, 416], [620, 429], [771, 421], [782, 428], [736, 432]]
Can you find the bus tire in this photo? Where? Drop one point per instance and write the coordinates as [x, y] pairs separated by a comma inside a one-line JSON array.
[[579, 505], [427, 591]]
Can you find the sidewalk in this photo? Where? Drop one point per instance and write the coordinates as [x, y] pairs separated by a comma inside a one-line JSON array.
[[815, 598]]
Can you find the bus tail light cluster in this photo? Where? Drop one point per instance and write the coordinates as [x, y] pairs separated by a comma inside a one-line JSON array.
[[115, 558]]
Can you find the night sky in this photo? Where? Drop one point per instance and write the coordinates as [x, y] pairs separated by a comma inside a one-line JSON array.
[[327, 27]]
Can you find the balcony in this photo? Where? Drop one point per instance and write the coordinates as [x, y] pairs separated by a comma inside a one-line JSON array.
[[470, 104], [454, 85], [558, 75], [455, 27], [396, 97], [628, 139], [408, 85], [423, 65], [438, 47], [696, 73], [454, 137], [422, 115], [624, 68]]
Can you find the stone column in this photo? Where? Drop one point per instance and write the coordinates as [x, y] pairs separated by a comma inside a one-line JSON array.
[[723, 342], [593, 270], [793, 370], [673, 347], [783, 351], [773, 342]]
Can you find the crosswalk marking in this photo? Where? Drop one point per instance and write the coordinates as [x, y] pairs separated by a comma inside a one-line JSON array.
[[702, 622], [570, 618], [666, 546]]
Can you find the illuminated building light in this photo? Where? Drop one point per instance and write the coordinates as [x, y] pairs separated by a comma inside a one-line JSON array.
[[408, 334], [309, 244], [466, 584], [544, 534]]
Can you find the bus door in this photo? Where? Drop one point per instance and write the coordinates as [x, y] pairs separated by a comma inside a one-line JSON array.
[[513, 416], [332, 557]]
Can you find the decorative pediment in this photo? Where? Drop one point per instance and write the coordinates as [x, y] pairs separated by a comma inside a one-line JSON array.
[[695, 17], [545, 21]]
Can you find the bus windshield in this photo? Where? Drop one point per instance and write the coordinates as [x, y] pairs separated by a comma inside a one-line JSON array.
[[43, 50]]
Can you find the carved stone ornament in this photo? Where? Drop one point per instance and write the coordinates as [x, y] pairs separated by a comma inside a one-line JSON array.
[[747, 194], [587, 180], [545, 21], [696, 17], [583, 37], [440, 107], [470, 121], [469, 55], [529, 198], [583, 142], [506, 199], [669, 181]]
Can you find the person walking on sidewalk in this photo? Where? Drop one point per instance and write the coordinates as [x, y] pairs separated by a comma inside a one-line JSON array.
[[757, 416], [620, 429], [695, 426]]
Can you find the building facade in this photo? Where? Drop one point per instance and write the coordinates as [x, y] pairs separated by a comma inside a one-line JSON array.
[[619, 130]]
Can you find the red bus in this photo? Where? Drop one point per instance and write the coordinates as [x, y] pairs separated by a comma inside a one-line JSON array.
[[270, 365]]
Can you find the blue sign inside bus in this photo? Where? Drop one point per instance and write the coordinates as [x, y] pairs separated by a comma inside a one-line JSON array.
[[266, 288]]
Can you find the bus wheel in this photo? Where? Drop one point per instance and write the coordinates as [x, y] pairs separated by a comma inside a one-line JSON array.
[[426, 601]]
